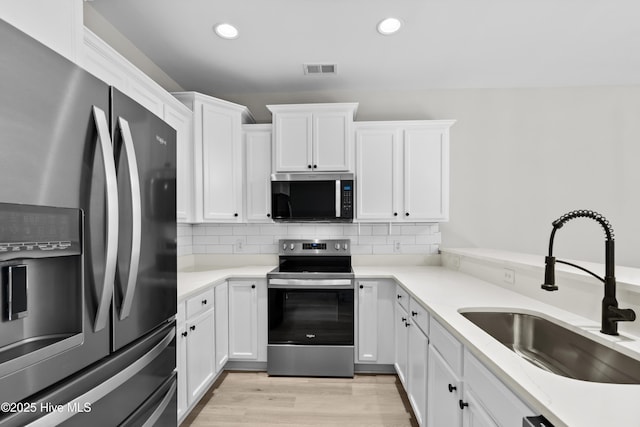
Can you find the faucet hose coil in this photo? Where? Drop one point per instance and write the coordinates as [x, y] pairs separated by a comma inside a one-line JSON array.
[[583, 213]]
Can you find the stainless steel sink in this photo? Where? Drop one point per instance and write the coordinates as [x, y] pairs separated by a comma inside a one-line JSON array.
[[557, 349]]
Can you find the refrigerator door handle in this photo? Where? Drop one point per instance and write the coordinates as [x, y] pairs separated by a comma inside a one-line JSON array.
[[57, 417], [102, 313], [166, 400], [136, 223]]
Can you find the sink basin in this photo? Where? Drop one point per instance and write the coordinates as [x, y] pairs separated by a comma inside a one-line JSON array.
[[556, 349]]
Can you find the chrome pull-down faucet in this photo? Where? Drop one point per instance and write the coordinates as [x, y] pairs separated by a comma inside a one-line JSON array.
[[611, 313]]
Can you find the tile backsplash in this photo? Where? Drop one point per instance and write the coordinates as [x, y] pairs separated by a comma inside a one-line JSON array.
[[366, 239]]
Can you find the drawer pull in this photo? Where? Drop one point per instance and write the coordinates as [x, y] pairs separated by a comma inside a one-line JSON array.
[[462, 404], [399, 296], [193, 328], [204, 302], [185, 333], [452, 388], [414, 313]]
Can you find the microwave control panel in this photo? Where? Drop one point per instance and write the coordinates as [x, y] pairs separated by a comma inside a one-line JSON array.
[[347, 199]]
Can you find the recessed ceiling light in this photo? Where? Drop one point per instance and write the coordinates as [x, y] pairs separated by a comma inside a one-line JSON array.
[[226, 31], [389, 26]]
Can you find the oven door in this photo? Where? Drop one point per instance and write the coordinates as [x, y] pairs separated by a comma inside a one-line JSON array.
[[311, 314]]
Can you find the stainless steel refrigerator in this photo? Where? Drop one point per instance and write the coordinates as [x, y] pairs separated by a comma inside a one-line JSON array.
[[87, 248]]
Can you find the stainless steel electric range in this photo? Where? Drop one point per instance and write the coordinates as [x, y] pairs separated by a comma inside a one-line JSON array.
[[311, 310]]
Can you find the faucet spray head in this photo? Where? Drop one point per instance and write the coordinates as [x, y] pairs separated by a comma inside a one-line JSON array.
[[549, 274]]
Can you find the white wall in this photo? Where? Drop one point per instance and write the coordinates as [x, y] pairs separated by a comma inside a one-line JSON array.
[[520, 158]]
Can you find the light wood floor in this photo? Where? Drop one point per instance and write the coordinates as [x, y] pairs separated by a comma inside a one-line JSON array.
[[254, 398]]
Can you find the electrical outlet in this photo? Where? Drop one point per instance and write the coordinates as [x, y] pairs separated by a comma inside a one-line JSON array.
[[239, 246], [509, 276], [396, 246]]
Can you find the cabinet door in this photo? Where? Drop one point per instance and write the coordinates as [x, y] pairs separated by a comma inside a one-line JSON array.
[[258, 174], [402, 334], [444, 393], [377, 195], [222, 325], [221, 157], [180, 118], [426, 175], [181, 366], [200, 354], [330, 141], [367, 321], [417, 371], [474, 413], [293, 140], [243, 320]]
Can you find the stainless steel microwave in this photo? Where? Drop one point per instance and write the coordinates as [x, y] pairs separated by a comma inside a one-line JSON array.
[[312, 197]]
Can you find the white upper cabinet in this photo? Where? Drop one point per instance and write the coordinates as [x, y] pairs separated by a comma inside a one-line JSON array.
[[312, 137], [181, 119], [426, 173], [403, 171], [377, 165], [257, 140], [218, 175]]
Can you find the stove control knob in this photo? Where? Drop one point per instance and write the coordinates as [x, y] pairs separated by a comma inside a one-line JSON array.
[[345, 246], [284, 246], [337, 246], [291, 246]]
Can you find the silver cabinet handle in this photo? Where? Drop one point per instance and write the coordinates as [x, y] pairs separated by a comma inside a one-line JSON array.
[[136, 220], [54, 418], [102, 313]]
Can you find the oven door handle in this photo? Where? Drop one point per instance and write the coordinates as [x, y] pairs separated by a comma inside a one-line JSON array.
[[310, 283]]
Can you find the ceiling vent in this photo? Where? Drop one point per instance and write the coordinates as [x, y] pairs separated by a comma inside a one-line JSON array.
[[320, 69]]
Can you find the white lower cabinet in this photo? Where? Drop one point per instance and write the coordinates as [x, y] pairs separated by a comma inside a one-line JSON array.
[[402, 340], [195, 358], [412, 351], [248, 320], [475, 415], [375, 321], [181, 365], [200, 351], [418, 355], [222, 325], [444, 393], [488, 399]]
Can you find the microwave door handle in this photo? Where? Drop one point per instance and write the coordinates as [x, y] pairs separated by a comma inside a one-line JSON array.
[[111, 250], [338, 198], [136, 220]]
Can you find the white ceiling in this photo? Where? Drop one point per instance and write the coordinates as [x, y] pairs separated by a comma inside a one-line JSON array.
[[443, 43]]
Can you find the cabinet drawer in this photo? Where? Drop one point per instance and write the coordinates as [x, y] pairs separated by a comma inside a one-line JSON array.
[[402, 297], [200, 303], [498, 400], [419, 315], [447, 345]]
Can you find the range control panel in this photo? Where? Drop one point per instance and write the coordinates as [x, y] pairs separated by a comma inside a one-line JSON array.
[[315, 247]]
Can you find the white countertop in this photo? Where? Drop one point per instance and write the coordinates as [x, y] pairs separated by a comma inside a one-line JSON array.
[[444, 292]]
